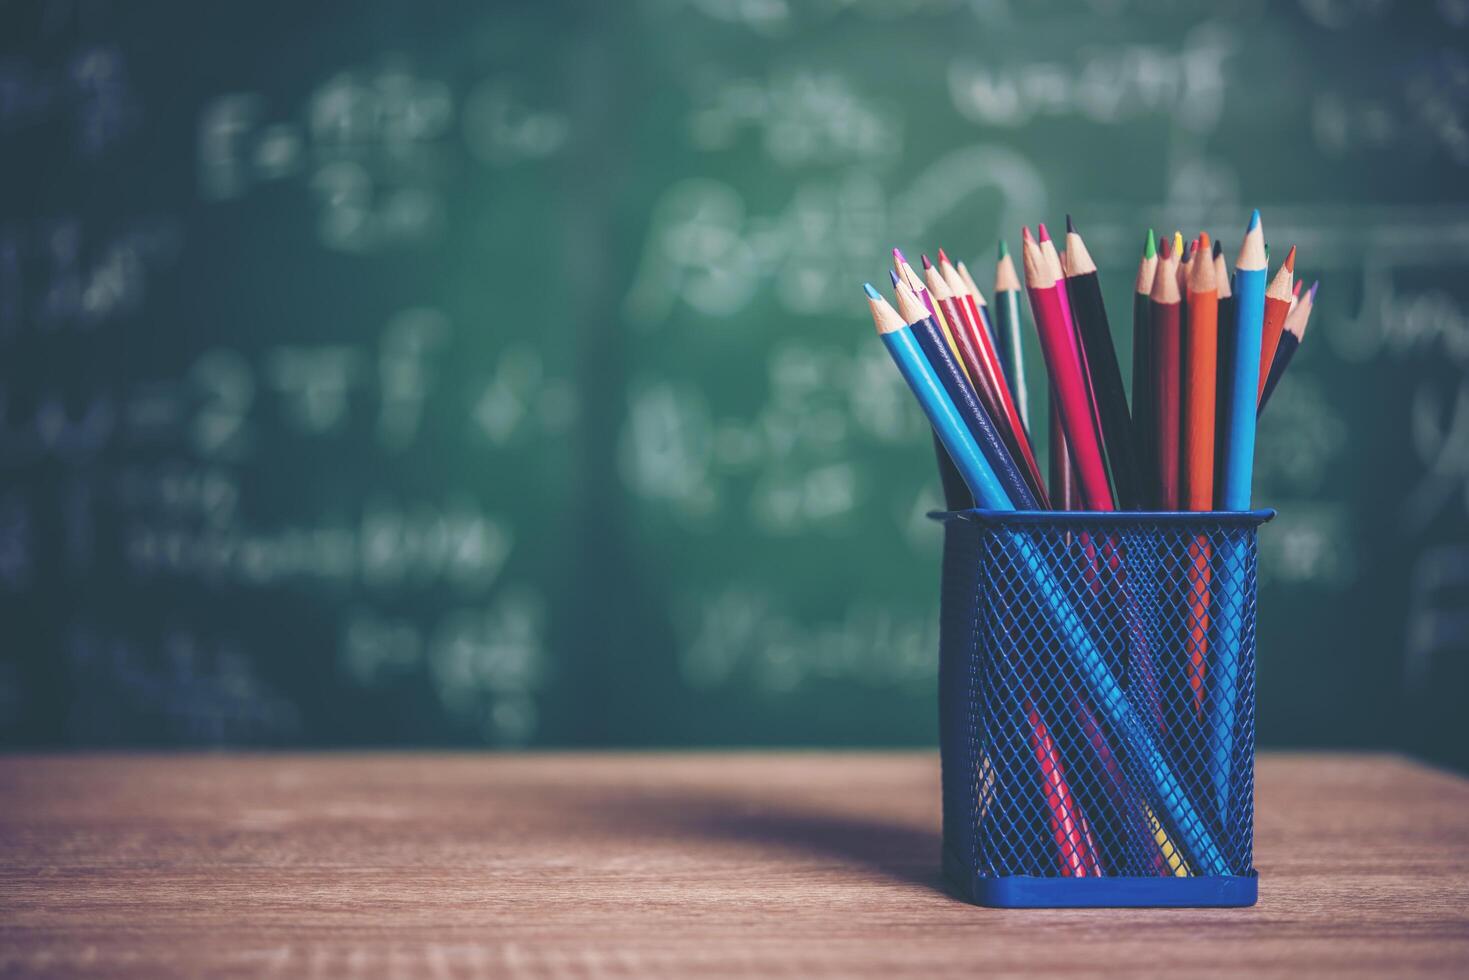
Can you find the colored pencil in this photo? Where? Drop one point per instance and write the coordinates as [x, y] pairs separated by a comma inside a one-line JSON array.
[[976, 419], [1240, 401], [1057, 264], [1201, 351], [1225, 358], [1142, 371], [936, 404], [1201, 343], [906, 273], [1053, 324], [1065, 494], [1290, 341], [1279, 300], [1242, 398], [1140, 828], [1008, 332], [1075, 845], [983, 367], [1167, 407], [1084, 287]]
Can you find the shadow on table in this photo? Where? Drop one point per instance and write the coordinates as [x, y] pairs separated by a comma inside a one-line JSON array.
[[895, 850]]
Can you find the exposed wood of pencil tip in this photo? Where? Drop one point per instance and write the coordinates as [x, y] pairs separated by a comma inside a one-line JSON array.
[[1147, 268], [1201, 278], [952, 279], [1221, 272], [936, 285], [1078, 259], [906, 273], [910, 307], [1281, 286], [1005, 277], [884, 316], [1165, 281], [1252, 249], [970, 284], [1038, 273], [1298, 318]]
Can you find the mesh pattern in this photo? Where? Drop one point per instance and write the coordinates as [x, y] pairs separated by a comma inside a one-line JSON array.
[[1097, 694]]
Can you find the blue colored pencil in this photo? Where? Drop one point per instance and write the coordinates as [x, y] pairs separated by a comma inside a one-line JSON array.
[[1239, 460], [941, 359], [937, 405]]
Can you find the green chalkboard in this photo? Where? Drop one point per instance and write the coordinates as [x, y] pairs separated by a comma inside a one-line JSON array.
[[499, 374]]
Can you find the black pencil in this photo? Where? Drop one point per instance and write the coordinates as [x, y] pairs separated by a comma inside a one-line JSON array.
[[1084, 289]]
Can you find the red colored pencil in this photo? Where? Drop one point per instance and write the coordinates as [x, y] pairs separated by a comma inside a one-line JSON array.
[[1058, 344], [1201, 346], [1167, 353], [1279, 299], [1076, 848]]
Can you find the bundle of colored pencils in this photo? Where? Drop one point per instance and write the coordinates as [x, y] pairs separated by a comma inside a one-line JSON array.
[[1209, 347]]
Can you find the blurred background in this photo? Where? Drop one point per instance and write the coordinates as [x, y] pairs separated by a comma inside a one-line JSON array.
[[498, 374]]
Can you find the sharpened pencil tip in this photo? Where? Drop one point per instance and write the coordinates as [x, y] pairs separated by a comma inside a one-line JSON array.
[[1178, 243], [1312, 294], [871, 293], [1165, 248], [893, 275], [1041, 233], [1070, 228], [943, 259], [1025, 233], [1150, 247], [926, 264], [1290, 259], [1254, 221], [898, 256], [1004, 249], [1218, 249]]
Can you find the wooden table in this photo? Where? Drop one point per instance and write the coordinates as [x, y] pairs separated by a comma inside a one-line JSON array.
[[794, 864]]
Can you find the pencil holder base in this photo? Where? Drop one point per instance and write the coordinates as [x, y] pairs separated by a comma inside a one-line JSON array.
[[1027, 892]]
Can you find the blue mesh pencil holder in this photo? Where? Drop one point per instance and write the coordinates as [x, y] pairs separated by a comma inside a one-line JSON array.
[[1097, 707]]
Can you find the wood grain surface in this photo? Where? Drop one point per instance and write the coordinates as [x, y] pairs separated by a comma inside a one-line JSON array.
[[780, 864]]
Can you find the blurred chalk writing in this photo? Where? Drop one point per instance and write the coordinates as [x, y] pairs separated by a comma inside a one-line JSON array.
[[471, 377]]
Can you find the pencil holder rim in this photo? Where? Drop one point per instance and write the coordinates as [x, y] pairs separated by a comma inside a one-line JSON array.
[[1242, 518]]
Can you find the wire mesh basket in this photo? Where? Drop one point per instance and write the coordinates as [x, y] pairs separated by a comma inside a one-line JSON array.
[[1097, 707]]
